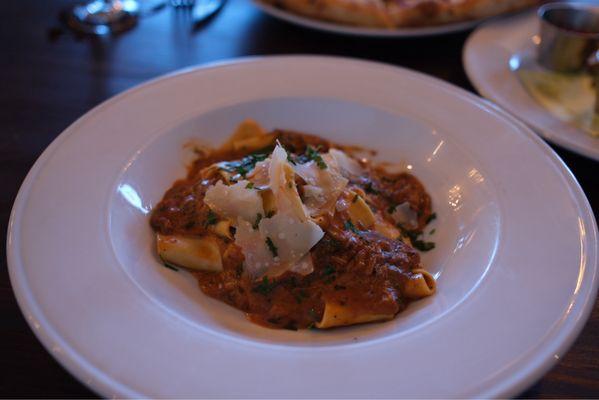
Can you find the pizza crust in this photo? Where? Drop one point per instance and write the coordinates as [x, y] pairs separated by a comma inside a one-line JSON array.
[[400, 13], [419, 13], [366, 13]]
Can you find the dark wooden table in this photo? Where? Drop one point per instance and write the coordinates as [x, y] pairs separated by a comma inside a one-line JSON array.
[[48, 78]]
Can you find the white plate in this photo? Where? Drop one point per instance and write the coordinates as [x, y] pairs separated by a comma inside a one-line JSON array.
[[516, 259], [361, 31], [487, 56]]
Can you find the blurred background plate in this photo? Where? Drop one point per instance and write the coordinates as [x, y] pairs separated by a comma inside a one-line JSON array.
[[361, 31], [491, 55]]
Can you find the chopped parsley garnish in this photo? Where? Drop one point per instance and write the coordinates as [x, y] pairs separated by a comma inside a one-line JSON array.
[[431, 218], [290, 159], [250, 185], [356, 197], [299, 297], [349, 226], [417, 243], [271, 246], [245, 165], [211, 218], [392, 208], [290, 185], [257, 221], [314, 155], [432, 232], [265, 286], [270, 214], [422, 245], [370, 189], [329, 269]]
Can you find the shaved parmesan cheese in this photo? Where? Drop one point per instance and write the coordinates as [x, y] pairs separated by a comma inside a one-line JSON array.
[[404, 215], [292, 238], [304, 266], [268, 202], [323, 185], [234, 201], [259, 175], [346, 165], [282, 184], [258, 258]]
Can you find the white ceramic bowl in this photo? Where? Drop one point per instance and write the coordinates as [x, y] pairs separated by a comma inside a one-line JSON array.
[[516, 255]]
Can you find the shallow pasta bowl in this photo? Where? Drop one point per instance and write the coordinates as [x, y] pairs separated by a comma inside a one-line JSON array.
[[516, 255]]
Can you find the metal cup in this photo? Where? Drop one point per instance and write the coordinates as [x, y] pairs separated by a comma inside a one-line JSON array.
[[593, 67], [569, 34]]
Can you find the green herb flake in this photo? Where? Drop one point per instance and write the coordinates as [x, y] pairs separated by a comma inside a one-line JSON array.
[[250, 185], [431, 217], [370, 189], [211, 218], [422, 245], [349, 226], [432, 232], [417, 243], [257, 221], [355, 199], [392, 208], [270, 214], [290, 185], [265, 287], [245, 165], [290, 159], [241, 170], [314, 155], [271, 246], [329, 269]]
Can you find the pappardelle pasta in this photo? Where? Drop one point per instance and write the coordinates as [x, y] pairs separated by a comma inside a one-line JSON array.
[[296, 231]]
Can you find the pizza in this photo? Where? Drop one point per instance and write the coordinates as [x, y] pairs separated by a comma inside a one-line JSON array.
[[400, 13]]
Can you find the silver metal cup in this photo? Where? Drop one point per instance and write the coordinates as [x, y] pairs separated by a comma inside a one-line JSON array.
[[569, 34], [593, 67]]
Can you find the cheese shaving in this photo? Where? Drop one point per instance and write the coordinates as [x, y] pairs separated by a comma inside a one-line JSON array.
[[324, 186], [404, 215], [282, 184], [258, 258], [347, 166], [235, 201]]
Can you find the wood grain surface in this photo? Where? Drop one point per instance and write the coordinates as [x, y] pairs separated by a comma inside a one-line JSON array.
[[48, 78]]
